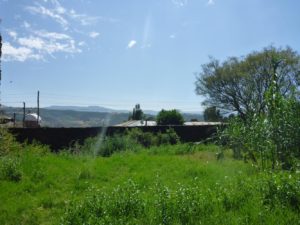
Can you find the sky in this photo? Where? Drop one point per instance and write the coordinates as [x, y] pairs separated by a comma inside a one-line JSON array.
[[118, 53]]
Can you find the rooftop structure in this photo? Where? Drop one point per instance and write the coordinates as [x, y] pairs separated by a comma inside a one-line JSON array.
[[136, 123]]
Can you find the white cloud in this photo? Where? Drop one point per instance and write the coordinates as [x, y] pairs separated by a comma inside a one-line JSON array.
[[32, 43], [49, 45], [94, 34], [38, 44], [210, 2], [13, 34], [131, 44], [20, 54]]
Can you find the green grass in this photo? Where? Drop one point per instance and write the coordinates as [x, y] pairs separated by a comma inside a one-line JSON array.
[[179, 184]]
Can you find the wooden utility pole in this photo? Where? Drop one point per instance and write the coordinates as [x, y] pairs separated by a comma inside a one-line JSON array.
[[24, 107], [38, 107]]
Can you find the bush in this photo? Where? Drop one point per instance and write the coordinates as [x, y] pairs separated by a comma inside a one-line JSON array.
[[170, 137], [273, 139], [7, 143], [122, 204], [116, 143], [146, 139], [10, 169], [283, 189], [132, 140]]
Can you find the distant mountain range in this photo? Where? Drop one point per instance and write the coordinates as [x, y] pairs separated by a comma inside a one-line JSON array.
[[105, 110], [96, 109], [86, 109], [91, 116]]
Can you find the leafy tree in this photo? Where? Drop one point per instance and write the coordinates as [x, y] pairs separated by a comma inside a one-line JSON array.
[[212, 114], [240, 84], [137, 113], [169, 117]]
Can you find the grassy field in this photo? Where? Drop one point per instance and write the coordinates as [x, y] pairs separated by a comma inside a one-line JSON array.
[[160, 185]]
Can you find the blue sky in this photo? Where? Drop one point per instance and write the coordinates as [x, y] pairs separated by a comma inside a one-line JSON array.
[[121, 52]]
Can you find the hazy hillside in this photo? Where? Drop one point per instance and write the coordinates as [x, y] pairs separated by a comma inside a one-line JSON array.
[[71, 118], [86, 109], [81, 117]]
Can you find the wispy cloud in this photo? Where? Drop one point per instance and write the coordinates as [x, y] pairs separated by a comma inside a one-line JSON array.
[[53, 14], [81, 43], [131, 44], [64, 16], [172, 36], [180, 3], [94, 34], [26, 25], [86, 20], [13, 34], [211, 2], [30, 43]]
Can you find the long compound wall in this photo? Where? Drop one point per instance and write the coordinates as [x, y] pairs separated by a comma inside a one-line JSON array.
[[59, 138]]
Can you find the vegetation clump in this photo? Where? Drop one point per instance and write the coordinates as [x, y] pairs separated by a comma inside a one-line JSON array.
[[169, 117]]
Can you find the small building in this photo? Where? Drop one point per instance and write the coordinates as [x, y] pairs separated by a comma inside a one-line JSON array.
[[32, 120]]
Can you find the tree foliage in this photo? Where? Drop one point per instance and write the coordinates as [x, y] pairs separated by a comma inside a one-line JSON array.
[[240, 84], [137, 113], [169, 117], [271, 138], [212, 114]]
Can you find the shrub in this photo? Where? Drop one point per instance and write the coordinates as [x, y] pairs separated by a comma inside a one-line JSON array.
[[169, 137], [116, 143], [85, 173], [131, 140], [10, 169], [7, 143], [145, 139], [282, 189], [122, 204], [273, 137]]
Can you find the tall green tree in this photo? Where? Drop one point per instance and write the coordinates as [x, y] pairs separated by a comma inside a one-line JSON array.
[[240, 84], [169, 117], [212, 114], [137, 113]]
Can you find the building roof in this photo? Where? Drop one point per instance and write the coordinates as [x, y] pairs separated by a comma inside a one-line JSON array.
[[202, 123], [141, 123], [136, 123]]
